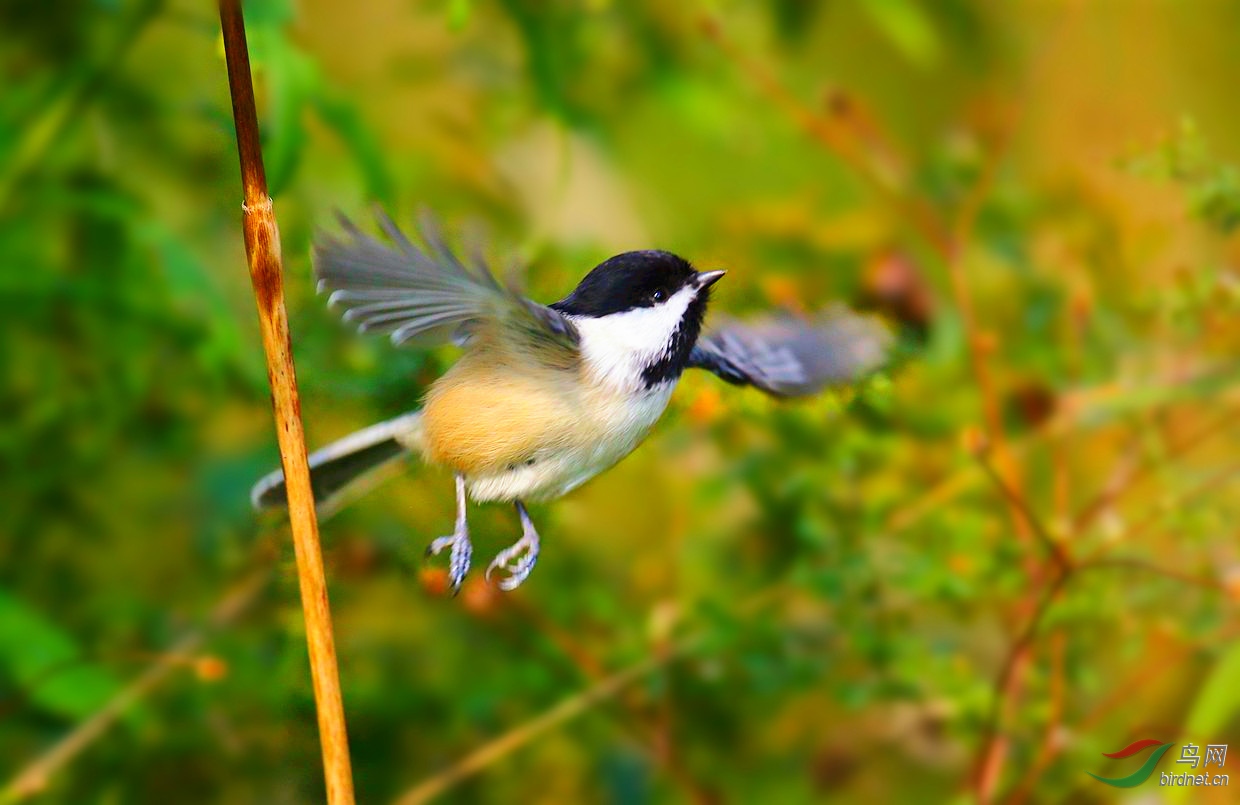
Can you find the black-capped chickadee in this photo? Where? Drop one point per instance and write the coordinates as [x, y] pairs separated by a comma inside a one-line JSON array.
[[545, 397]]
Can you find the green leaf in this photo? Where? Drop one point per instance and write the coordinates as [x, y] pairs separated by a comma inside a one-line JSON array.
[[1213, 186], [1217, 704], [550, 36], [268, 13], [192, 285], [342, 118], [1218, 701], [291, 80], [908, 28], [47, 665], [459, 12]]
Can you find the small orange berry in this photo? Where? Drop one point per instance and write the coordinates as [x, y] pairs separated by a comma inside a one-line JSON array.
[[480, 597], [783, 292], [210, 668], [974, 440], [434, 580], [706, 406]]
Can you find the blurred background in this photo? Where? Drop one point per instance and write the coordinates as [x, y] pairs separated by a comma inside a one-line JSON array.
[[964, 580]]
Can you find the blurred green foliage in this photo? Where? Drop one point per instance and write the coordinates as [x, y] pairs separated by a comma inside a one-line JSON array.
[[1214, 188], [846, 582]]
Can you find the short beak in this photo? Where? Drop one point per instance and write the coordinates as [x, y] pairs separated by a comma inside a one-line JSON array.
[[705, 279]]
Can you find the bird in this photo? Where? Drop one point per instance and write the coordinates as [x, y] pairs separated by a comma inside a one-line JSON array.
[[543, 398]]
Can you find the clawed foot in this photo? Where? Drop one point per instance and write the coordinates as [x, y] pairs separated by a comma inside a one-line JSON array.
[[460, 552], [518, 560]]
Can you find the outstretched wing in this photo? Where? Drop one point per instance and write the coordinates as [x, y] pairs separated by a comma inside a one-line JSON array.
[[426, 295], [790, 357]]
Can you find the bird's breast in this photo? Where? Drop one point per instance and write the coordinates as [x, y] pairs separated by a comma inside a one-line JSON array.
[[533, 434]]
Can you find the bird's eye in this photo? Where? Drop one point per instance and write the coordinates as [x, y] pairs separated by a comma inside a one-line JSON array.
[[659, 295]]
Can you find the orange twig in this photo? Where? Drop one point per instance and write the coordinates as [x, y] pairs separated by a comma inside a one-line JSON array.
[[1054, 549], [1128, 475], [652, 730], [262, 247], [990, 756], [1051, 743], [1130, 563], [1187, 497], [1006, 467], [1168, 659], [603, 689], [514, 739], [1143, 679]]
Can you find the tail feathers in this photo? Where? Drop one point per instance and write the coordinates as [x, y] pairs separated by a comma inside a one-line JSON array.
[[342, 466]]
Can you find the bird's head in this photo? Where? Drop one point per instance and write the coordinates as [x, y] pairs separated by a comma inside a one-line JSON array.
[[639, 314]]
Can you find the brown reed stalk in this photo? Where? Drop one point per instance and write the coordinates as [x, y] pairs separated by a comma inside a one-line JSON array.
[[262, 247]]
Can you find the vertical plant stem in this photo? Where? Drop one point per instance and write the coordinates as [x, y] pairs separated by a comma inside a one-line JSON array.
[[262, 247]]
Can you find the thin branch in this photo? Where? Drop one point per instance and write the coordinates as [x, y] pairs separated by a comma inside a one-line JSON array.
[[856, 139], [852, 136], [979, 347], [1132, 563], [934, 498], [638, 725], [1127, 477], [1220, 478], [514, 739], [1143, 679], [1051, 742], [1124, 476], [262, 246], [1054, 549], [35, 777], [988, 764], [653, 729], [605, 688]]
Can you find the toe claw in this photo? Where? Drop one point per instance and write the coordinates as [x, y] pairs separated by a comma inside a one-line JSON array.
[[459, 554], [517, 561], [513, 582], [498, 563]]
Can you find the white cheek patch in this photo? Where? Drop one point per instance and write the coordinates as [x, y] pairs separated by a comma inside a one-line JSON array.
[[617, 347]]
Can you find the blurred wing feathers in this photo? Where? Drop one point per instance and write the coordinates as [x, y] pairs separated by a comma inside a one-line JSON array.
[[790, 357], [423, 296]]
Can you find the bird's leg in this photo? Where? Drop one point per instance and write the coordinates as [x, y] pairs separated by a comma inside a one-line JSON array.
[[458, 542], [519, 558]]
